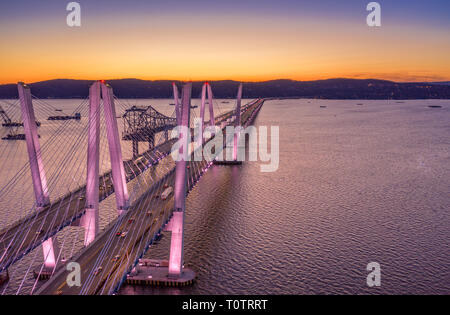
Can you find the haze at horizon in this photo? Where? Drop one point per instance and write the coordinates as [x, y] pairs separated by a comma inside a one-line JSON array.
[[244, 40]]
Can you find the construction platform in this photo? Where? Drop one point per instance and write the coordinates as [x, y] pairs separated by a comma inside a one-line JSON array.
[[45, 274], [154, 272], [13, 137], [77, 116]]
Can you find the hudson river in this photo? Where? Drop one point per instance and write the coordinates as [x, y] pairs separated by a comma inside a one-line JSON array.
[[355, 184]]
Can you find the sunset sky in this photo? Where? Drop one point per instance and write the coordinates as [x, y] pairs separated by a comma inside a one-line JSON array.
[[249, 40]]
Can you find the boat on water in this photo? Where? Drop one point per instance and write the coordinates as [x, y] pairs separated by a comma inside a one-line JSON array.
[[77, 116], [17, 124], [13, 137]]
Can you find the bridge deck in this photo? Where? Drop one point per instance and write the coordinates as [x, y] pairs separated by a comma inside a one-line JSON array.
[[22, 237], [144, 221]]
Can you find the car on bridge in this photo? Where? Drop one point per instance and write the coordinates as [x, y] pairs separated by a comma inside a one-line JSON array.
[[98, 270], [166, 193]]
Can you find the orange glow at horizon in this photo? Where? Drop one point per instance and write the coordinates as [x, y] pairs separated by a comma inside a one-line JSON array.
[[298, 50]]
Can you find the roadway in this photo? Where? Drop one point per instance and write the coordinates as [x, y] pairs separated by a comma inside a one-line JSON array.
[[23, 236], [26, 234], [112, 252], [106, 261]]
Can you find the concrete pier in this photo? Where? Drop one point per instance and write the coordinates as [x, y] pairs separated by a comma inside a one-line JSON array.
[[156, 273]]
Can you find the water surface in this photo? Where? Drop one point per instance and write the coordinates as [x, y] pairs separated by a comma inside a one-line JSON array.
[[356, 184]]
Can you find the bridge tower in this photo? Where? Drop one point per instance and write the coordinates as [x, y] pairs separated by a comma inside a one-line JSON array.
[[90, 221], [176, 98], [50, 246], [115, 150], [206, 89], [234, 159], [237, 125], [177, 221], [212, 121]]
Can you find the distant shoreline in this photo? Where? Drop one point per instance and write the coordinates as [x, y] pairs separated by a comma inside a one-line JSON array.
[[331, 89]]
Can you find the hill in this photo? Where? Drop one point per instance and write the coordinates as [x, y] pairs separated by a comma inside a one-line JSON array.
[[326, 89]]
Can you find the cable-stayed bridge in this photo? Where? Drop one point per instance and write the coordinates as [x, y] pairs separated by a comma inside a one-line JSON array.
[[138, 184]]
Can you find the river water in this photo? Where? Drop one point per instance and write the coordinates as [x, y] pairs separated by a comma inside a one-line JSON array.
[[355, 184]]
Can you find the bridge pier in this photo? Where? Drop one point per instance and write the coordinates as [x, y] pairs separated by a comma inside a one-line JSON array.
[[237, 132], [237, 124], [202, 115], [176, 98], [115, 151], [50, 246], [177, 221], [90, 221]]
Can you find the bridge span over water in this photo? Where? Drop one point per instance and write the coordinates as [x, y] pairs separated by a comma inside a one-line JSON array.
[[110, 255]]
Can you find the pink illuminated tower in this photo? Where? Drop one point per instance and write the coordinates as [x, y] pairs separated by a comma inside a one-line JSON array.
[[177, 103], [237, 124], [211, 107], [202, 114], [115, 150], [90, 220], [206, 88], [50, 246], [177, 221]]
